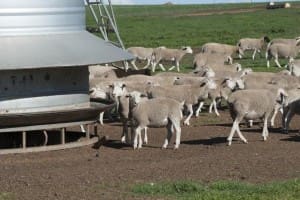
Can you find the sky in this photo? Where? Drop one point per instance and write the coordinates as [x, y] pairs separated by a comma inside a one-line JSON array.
[[141, 2]]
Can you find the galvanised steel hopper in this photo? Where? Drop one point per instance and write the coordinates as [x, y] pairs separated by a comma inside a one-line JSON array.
[[44, 54]]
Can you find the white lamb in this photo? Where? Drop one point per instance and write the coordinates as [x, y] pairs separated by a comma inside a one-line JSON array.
[[250, 105], [174, 55], [225, 49], [155, 113], [140, 53], [280, 50], [255, 44]]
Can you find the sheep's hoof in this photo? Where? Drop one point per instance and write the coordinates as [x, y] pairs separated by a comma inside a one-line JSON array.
[[245, 141], [164, 147], [284, 131], [186, 123], [229, 143]]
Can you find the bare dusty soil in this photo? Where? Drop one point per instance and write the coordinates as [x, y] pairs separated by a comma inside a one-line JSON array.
[[203, 156]]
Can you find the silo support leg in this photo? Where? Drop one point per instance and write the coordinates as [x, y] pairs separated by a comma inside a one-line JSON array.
[[46, 137], [63, 135], [88, 132], [24, 139]]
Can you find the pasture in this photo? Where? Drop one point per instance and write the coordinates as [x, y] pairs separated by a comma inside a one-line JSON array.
[[204, 167]]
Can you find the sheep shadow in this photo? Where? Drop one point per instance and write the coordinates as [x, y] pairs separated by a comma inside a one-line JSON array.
[[115, 144], [208, 142], [292, 138]]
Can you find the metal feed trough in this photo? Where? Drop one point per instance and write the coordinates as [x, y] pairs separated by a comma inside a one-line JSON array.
[[44, 54]]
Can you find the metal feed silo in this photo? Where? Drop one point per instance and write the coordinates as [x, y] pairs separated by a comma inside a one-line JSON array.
[[44, 54]]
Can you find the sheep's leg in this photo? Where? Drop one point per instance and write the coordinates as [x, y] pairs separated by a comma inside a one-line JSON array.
[[177, 127], [230, 60], [147, 65], [161, 67], [199, 108], [187, 120], [235, 127], [250, 123], [153, 66], [241, 135], [276, 109], [210, 107], [146, 136], [140, 140], [277, 62], [133, 64], [125, 138], [82, 128], [136, 135], [177, 66], [286, 119], [215, 107], [101, 118], [265, 132], [253, 56], [126, 66], [169, 135], [268, 63]]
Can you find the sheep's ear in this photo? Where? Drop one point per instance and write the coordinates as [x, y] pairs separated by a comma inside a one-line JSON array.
[[123, 86], [91, 90], [202, 84], [143, 95], [267, 39], [127, 95], [110, 86], [184, 48]]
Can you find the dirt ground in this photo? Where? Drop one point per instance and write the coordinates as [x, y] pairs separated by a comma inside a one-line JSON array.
[[203, 156]]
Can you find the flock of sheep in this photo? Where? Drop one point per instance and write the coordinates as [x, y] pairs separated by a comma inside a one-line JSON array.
[[163, 99]]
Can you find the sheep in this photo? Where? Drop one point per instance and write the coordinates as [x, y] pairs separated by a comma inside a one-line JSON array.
[[290, 42], [140, 53], [204, 59], [280, 50], [141, 79], [290, 108], [294, 67], [225, 49], [166, 54], [102, 72], [255, 44], [155, 113], [191, 95], [250, 105]]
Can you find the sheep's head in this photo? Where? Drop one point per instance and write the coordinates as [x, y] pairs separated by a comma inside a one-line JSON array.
[[187, 49], [266, 39], [238, 67], [98, 93], [136, 97], [281, 96], [117, 89], [234, 83]]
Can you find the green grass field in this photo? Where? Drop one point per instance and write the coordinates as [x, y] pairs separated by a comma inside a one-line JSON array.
[[225, 190], [182, 25]]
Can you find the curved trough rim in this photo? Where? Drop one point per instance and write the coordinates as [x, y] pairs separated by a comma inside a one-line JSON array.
[[88, 140]]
